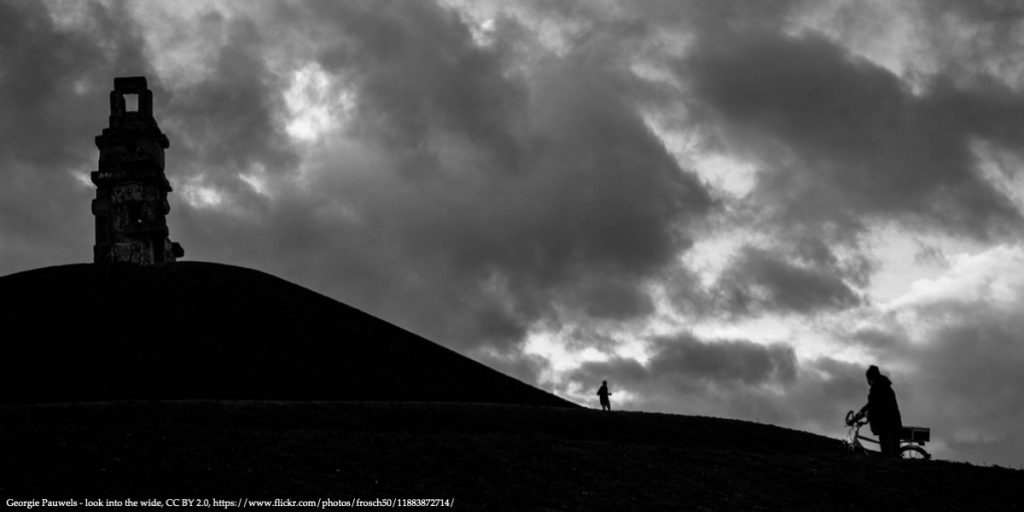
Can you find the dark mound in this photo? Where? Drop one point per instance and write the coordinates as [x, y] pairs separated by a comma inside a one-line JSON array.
[[194, 330], [484, 456]]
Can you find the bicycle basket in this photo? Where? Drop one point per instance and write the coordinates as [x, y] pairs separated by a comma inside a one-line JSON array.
[[916, 434]]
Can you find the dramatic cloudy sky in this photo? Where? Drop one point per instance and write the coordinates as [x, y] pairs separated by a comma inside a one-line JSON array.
[[722, 207]]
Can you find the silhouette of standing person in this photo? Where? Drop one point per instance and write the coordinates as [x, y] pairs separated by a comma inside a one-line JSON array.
[[883, 413], [602, 392]]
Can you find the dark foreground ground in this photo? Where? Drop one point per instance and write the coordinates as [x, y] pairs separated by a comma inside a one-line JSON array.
[[485, 457]]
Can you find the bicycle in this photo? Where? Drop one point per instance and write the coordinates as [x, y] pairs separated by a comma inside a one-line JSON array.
[[912, 439]]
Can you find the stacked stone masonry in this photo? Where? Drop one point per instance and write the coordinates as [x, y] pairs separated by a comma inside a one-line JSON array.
[[131, 188]]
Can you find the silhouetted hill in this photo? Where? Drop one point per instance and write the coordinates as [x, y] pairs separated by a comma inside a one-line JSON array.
[[485, 456], [192, 330], [197, 380]]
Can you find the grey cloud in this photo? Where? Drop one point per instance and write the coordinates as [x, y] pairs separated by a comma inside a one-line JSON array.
[[53, 84], [966, 383], [962, 380], [420, 75], [622, 372], [705, 17], [565, 196], [524, 367], [816, 252], [46, 121], [613, 299], [759, 280], [843, 383], [687, 294], [231, 119], [1004, 13], [734, 378], [482, 200], [930, 254], [687, 364], [1000, 450], [725, 361], [879, 339], [974, 40], [844, 140]]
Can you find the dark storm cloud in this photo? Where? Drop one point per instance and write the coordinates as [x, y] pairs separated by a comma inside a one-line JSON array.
[[419, 74], [53, 84], [613, 300], [844, 140], [500, 199], [231, 118], [44, 115], [760, 280], [975, 38]]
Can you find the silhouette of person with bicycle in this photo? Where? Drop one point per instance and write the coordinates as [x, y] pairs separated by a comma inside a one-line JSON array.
[[602, 392], [882, 412]]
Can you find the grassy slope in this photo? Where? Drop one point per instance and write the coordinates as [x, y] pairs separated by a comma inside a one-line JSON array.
[[487, 457], [195, 330]]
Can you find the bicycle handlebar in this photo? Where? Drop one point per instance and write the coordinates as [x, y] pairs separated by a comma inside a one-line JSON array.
[[853, 419]]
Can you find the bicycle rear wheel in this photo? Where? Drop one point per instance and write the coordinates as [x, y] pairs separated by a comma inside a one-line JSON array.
[[910, 451]]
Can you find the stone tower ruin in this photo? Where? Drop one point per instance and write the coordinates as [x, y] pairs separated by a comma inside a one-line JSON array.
[[131, 187]]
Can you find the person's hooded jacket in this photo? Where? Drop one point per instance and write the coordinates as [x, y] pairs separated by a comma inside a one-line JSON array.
[[883, 413]]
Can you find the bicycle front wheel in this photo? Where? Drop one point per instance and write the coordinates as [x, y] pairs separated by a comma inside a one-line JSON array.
[[910, 451]]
